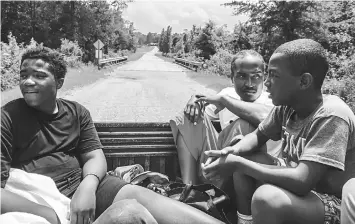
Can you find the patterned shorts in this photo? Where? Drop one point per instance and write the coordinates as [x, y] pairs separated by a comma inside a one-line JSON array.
[[331, 202], [331, 208]]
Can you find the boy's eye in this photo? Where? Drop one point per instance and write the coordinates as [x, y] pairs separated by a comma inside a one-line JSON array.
[[39, 75]]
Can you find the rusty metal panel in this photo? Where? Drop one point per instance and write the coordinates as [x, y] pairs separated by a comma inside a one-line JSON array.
[[162, 165], [147, 163]]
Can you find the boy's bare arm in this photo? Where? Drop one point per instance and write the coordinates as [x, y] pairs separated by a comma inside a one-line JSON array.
[[254, 113], [299, 180], [11, 202]]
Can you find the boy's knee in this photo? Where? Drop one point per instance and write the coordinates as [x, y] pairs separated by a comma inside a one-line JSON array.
[[129, 192], [349, 189], [269, 199], [126, 212], [348, 202]]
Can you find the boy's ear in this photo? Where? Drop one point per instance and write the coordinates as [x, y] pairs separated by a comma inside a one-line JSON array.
[[60, 83], [306, 80], [232, 78]]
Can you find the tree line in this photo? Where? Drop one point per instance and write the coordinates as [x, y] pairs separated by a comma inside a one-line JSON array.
[[49, 22], [270, 24]]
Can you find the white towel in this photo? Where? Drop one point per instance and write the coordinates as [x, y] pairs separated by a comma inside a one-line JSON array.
[[40, 189]]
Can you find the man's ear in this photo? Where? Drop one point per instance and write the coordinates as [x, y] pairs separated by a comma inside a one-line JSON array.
[[60, 83], [306, 80]]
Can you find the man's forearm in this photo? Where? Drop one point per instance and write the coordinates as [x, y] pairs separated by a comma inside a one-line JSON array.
[[284, 177], [254, 113], [11, 202]]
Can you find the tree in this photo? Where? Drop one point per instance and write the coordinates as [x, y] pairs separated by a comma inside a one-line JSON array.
[[149, 38], [166, 45], [205, 41], [277, 22], [161, 40]]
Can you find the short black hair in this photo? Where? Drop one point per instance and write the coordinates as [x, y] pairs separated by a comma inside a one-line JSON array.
[[54, 58], [242, 54], [306, 56]]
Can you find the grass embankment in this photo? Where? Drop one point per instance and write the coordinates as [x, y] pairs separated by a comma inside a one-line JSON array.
[[211, 81], [78, 77]]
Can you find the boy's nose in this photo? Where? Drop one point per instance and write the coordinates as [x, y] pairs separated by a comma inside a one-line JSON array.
[[267, 82], [29, 82]]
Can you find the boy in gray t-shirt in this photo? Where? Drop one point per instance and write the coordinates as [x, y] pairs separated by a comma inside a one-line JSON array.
[[304, 184]]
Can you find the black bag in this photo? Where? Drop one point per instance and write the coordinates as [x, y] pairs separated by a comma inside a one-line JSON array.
[[205, 197]]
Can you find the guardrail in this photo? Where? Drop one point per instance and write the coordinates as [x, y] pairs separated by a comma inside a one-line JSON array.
[[110, 61], [194, 65]]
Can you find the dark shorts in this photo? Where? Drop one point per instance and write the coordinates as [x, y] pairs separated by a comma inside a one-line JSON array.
[[106, 192]]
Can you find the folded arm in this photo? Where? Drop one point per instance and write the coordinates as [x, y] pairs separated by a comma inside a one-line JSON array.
[[299, 180], [252, 112]]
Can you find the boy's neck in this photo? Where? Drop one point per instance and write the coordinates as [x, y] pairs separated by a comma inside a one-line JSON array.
[[307, 104], [49, 108]]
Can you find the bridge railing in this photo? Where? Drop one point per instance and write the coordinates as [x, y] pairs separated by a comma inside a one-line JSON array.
[[194, 65], [109, 61]]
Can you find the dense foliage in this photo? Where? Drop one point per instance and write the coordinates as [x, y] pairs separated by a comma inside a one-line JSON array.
[[49, 22], [272, 23]]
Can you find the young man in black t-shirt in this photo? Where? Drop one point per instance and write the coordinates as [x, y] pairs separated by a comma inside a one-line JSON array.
[[57, 138]]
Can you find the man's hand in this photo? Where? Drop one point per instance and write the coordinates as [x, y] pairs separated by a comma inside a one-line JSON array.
[[193, 110], [83, 203], [212, 99], [224, 166]]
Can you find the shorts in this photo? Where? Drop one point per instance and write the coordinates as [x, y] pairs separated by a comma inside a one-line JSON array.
[[331, 202], [106, 192], [331, 208]]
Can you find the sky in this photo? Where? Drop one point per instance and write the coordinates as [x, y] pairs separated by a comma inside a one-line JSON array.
[[154, 15]]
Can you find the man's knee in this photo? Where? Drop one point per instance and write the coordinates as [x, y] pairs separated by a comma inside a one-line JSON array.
[[269, 199], [127, 211]]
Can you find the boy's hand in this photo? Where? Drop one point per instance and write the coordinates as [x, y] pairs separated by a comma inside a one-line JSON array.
[[193, 110], [83, 204], [223, 166], [214, 154], [212, 99]]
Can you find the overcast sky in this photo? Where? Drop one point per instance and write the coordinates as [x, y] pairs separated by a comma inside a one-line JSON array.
[[154, 15]]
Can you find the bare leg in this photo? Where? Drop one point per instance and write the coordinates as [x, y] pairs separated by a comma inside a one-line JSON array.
[[127, 211], [271, 204], [245, 186], [188, 163], [348, 203], [164, 209]]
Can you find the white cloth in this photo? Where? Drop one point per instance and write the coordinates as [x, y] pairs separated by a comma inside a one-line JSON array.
[[225, 116], [39, 189], [22, 218]]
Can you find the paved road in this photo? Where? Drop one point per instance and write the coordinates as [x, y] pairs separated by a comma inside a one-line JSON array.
[[149, 89]]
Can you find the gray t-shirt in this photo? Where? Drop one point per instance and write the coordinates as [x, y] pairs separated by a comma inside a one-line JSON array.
[[326, 136]]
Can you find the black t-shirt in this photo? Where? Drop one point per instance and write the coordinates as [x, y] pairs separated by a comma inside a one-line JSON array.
[[47, 144]]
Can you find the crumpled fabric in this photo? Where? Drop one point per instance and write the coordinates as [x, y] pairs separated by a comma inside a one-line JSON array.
[[39, 189]]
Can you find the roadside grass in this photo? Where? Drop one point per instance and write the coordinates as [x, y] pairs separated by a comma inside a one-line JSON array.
[[78, 77], [211, 81]]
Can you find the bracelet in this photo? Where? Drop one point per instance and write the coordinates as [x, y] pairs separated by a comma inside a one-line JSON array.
[[98, 178]]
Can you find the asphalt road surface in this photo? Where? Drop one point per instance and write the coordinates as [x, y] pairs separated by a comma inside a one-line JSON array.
[[147, 90]]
